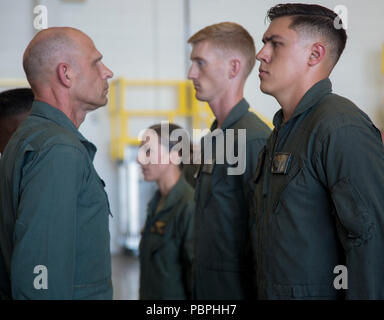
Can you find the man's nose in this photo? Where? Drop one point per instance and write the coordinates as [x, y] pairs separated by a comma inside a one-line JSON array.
[[192, 72], [262, 55], [107, 72]]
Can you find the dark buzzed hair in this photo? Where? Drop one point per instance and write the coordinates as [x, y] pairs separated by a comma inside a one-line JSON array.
[[313, 19], [15, 101]]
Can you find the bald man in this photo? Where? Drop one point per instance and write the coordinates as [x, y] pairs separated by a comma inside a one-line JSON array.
[[54, 212]]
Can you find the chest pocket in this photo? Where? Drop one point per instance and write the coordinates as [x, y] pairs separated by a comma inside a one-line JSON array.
[[159, 227], [159, 233], [153, 237], [256, 185], [215, 177], [204, 184], [93, 194], [106, 196], [281, 177], [164, 243]]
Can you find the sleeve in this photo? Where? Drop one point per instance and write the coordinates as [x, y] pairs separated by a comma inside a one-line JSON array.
[[187, 246], [353, 164], [43, 261]]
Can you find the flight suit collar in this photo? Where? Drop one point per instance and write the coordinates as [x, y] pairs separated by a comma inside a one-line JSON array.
[[45, 110], [234, 115], [310, 98], [173, 196]]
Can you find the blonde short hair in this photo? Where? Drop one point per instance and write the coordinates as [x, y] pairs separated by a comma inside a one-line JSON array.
[[229, 36]]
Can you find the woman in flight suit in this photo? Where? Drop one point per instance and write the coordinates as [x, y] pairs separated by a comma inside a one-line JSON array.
[[166, 244]]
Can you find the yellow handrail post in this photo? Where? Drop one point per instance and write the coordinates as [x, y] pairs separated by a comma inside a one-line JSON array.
[[122, 120], [112, 115], [188, 106]]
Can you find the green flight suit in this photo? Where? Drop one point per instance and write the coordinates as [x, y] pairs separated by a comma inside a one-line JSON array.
[[166, 246], [222, 268], [319, 203], [189, 171], [54, 212]]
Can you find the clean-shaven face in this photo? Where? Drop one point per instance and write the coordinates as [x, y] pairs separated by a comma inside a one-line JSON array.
[[208, 71], [283, 58], [92, 82]]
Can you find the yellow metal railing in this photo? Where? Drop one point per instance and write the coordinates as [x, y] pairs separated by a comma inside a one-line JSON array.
[[188, 107]]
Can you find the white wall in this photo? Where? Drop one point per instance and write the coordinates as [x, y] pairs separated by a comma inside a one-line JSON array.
[[356, 76], [144, 39]]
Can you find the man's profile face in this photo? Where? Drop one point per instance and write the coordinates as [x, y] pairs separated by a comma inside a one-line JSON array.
[[208, 71], [91, 85], [283, 58]]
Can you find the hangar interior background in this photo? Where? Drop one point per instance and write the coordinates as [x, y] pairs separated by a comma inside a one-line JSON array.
[[144, 42]]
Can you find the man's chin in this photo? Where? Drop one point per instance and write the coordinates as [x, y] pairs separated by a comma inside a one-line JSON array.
[[200, 97], [265, 90], [96, 105], [102, 103], [105, 103]]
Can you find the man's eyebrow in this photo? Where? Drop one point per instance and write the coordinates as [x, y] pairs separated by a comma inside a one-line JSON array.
[[193, 58], [271, 38], [99, 58]]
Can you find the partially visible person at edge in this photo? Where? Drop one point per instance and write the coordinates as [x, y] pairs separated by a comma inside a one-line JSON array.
[[15, 106], [166, 247], [54, 212], [319, 205], [223, 56]]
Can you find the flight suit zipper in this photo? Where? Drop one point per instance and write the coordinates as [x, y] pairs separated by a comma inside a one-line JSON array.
[[266, 182], [265, 216]]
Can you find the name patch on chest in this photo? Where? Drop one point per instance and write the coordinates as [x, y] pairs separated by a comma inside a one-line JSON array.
[[280, 162], [158, 227]]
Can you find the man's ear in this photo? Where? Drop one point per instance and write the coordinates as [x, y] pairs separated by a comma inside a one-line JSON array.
[[64, 73], [234, 67], [317, 54]]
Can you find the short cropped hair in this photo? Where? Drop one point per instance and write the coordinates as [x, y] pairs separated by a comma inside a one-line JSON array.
[[313, 19], [15, 101], [230, 36]]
